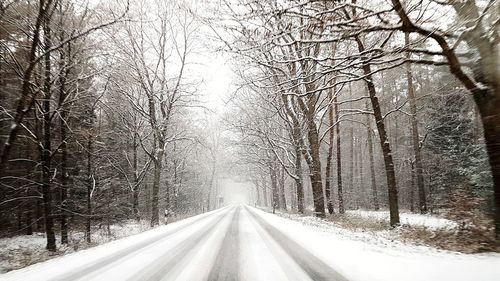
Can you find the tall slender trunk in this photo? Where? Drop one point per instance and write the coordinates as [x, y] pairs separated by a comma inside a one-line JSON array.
[[299, 186], [135, 191], [64, 178], [47, 150], [282, 188], [372, 163], [64, 146], [39, 175], [351, 190], [412, 189], [328, 169], [422, 203], [384, 141], [90, 184], [30, 171], [361, 174], [340, 193]]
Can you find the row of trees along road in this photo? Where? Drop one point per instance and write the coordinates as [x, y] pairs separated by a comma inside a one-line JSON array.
[[340, 105], [368, 103], [96, 116]]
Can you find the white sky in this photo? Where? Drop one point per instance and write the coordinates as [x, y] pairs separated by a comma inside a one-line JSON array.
[[217, 75]]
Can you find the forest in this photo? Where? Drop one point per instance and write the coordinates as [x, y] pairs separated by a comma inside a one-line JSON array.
[[334, 106]]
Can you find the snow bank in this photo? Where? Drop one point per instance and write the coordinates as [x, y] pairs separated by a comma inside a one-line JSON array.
[[427, 221], [23, 250]]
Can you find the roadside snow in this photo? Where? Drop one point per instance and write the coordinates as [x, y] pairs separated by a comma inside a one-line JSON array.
[[23, 250], [367, 257], [427, 221], [27, 250]]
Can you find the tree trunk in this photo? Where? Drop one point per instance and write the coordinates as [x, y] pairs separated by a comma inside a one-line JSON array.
[[64, 146], [340, 193], [384, 142], [64, 181], [158, 165], [351, 190], [274, 187], [372, 164], [298, 181], [315, 169], [412, 189], [282, 188], [361, 175], [47, 150], [298, 145], [135, 191], [328, 169], [90, 183], [264, 191], [490, 116], [422, 203], [30, 170]]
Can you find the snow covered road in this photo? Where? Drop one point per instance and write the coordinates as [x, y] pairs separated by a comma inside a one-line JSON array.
[[233, 243], [243, 243]]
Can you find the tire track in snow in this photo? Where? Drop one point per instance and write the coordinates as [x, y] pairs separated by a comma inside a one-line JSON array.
[[159, 270], [312, 265], [227, 263], [103, 262]]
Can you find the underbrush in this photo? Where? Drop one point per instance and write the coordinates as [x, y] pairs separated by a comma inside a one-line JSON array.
[[472, 235]]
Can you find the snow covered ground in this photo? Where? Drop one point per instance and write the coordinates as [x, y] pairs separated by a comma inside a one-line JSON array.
[[364, 256], [19, 251], [244, 243], [427, 221]]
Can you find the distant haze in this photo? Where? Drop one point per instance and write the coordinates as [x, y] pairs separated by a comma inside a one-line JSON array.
[[235, 192]]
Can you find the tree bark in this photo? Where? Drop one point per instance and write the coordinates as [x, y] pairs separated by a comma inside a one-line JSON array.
[[328, 169], [282, 188], [90, 183], [274, 187], [158, 165], [372, 164], [298, 181], [315, 169], [351, 190], [489, 107], [47, 150], [340, 193], [135, 192], [361, 174], [64, 146]]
